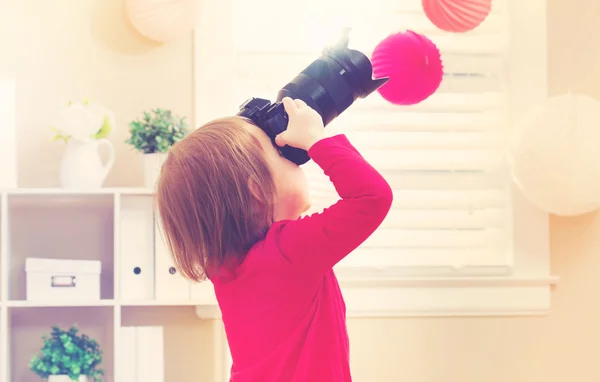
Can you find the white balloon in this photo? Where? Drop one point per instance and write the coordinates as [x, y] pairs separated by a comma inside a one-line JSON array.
[[163, 20], [554, 155]]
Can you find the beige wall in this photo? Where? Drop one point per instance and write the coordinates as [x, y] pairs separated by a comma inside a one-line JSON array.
[[63, 50], [85, 48], [563, 347]]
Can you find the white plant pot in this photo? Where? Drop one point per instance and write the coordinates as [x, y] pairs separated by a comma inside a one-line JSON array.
[[152, 166], [65, 378], [81, 166]]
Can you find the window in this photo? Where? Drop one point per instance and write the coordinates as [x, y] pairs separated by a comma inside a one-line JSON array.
[[459, 238]]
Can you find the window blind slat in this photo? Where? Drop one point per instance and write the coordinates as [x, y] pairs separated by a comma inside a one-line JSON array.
[[256, 62], [352, 120], [436, 103], [436, 160], [445, 180], [428, 180], [461, 83], [463, 76], [415, 140], [444, 219], [440, 200], [417, 22], [449, 199], [414, 6], [470, 83], [386, 258], [443, 238], [469, 63]]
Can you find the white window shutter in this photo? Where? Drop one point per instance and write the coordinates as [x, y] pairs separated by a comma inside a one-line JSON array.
[[442, 157]]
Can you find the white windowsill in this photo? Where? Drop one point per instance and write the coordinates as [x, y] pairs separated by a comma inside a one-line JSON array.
[[448, 297], [439, 297], [447, 282]]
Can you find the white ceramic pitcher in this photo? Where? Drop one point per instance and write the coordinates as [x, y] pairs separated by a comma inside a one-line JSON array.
[[81, 166]]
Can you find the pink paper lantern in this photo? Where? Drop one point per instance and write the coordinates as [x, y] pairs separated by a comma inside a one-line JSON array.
[[163, 20], [457, 15], [413, 64]]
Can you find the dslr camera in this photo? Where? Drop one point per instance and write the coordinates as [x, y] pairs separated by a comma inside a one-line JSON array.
[[329, 85]]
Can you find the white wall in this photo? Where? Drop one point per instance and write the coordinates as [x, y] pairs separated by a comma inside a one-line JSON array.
[[64, 50]]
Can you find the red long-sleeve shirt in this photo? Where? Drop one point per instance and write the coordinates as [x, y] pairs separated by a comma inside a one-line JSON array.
[[284, 313]]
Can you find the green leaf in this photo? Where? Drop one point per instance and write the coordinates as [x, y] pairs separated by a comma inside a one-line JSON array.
[[67, 352], [157, 131], [105, 129]]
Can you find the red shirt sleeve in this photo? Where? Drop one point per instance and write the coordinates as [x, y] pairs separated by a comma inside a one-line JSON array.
[[319, 241]]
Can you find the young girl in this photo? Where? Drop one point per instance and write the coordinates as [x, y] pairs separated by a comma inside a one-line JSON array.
[[230, 208]]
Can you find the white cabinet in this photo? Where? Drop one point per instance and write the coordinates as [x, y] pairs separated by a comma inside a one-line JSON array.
[[136, 284]]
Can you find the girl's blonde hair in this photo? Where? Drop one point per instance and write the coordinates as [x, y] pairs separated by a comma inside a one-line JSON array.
[[209, 216]]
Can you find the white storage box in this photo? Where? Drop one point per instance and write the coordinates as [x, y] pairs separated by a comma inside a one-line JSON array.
[[62, 280]]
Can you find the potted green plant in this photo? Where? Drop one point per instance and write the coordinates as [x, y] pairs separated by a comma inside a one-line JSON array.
[[153, 135], [68, 356]]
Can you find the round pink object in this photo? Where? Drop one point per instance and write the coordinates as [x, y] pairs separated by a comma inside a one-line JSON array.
[[457, 15], [413, 64]]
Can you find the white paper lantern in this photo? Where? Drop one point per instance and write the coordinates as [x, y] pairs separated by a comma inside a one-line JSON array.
[[554, 155], [163, 20]]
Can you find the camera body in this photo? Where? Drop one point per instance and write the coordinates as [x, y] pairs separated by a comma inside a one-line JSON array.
[[329, 85], [273, 120]]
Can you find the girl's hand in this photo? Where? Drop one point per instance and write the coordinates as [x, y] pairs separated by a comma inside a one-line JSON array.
[[305, 125]]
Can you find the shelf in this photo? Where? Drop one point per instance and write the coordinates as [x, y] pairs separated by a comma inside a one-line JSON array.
[[4, 352], [115, 226], [58, 304], [27, 326], [3, 256], [161, 303], [47, 201], [66, 191], [59, 227], [98, 303]]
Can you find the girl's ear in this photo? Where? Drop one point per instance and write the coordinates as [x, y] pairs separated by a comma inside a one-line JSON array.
[[255, 191]]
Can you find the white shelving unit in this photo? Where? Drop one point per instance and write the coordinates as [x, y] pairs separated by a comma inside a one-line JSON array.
[[67, 224]]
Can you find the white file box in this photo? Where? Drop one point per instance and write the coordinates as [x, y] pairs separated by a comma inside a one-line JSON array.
[[128, 368], [150, 357], [62, 280], [137, 248], [169, 283], [143, 349]]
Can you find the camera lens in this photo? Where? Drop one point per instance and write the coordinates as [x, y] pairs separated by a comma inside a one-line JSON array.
[[332, 83], [329, 85]]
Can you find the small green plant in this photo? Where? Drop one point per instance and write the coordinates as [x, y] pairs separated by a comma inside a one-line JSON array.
[[68, 353], [157, 131]]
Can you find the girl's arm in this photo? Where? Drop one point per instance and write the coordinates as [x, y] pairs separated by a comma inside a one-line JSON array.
[[319, 241]]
